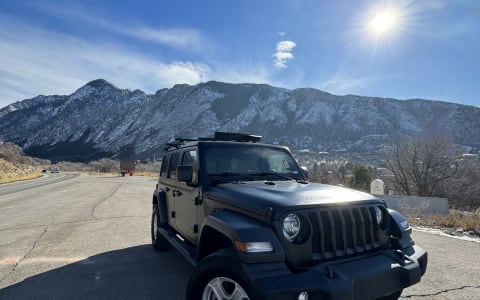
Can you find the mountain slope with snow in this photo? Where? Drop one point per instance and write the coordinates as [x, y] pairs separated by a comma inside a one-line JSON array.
[[100, 119]]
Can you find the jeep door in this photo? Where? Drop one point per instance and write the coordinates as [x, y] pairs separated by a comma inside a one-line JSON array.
[[185, 194], [168, 184]]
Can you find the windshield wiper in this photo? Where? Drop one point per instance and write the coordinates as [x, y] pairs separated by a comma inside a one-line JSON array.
[[299, 180]]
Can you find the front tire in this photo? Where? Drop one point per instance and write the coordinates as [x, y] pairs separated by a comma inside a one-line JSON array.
[[219, 276], [159, 242]]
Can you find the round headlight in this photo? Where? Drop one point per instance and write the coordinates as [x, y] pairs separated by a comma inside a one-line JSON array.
[[379, 215], [291, 227]]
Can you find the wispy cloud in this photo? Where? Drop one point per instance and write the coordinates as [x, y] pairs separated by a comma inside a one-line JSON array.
[[177, 37], [189, 39], [36, 61], [341, 84], [283, 54]]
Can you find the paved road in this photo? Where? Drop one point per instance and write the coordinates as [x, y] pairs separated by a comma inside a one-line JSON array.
[[88, 238], [453, 269], [20, 186], [85, 238]]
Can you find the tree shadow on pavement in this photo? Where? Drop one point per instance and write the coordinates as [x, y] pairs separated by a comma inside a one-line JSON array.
[[132, 273]]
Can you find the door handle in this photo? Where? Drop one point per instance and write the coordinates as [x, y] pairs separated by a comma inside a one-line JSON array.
[[177, 193], [166, 189]]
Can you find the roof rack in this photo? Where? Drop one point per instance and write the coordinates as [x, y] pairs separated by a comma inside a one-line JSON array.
[[237, 137], [177, 143], [219, 136]]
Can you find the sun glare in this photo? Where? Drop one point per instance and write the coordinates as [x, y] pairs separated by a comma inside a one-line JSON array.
[[382, 28], [382, 23]]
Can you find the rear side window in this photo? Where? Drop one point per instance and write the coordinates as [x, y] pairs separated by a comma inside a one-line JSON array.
[[172, 170], [164, 167]]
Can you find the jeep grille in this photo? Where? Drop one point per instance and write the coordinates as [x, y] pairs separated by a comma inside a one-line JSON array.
[[349, 231]]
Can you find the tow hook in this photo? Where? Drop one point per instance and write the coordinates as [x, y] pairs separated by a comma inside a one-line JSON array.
[[401, 257]]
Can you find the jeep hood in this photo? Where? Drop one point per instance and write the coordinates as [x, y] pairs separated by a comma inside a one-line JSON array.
[[256, 196]]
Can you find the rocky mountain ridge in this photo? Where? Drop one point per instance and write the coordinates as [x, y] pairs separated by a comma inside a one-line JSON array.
[[101, 120]]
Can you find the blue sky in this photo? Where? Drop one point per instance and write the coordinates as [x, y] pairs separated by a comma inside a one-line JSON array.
[[427, 49]]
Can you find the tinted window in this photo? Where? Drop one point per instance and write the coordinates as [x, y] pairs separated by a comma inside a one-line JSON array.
[[190, 159], [163, 169], [172, 170]]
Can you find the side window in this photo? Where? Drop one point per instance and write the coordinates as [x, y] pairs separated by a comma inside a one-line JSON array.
[[189, 158], [172, 170], [163, 168], [280, 163]]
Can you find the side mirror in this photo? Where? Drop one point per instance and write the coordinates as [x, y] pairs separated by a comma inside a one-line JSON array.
[[305, 171], [184, 173]]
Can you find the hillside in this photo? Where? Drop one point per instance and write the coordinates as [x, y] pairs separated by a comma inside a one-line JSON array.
[[101, 120], [14, 165]]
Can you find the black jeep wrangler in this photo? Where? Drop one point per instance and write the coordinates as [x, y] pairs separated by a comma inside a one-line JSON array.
[[244, 214]]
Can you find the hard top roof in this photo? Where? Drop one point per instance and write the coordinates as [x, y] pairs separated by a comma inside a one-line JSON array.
[[219, 136]]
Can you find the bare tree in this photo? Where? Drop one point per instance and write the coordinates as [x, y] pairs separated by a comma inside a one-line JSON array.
[[105, 165], [328, 172], [420, 165], [463, 189]]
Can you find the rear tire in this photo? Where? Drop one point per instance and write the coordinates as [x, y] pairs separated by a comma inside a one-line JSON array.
[[219, 274], [159, 242]]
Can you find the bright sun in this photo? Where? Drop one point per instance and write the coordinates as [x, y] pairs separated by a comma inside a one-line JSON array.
[[383, 26], [382, 23]]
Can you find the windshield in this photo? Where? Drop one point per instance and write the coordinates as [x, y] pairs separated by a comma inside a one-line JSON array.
[[250, 160]]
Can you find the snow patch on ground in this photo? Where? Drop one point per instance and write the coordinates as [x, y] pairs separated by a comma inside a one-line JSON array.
[[441, 232]]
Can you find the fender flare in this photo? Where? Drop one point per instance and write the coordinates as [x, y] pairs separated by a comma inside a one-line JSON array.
[[239, 227], [400, 231]]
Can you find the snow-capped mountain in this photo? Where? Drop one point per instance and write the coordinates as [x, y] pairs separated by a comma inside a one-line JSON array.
[[101, 120]]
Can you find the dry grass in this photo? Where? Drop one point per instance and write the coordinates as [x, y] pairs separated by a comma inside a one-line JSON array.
[[10, 172], [146, 174], [454, 220], [12, 178]]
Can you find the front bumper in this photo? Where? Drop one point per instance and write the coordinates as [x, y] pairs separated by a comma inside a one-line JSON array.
[[363, 278]]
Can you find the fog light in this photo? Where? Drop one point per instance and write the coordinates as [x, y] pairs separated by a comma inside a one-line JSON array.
[[303, 296]]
